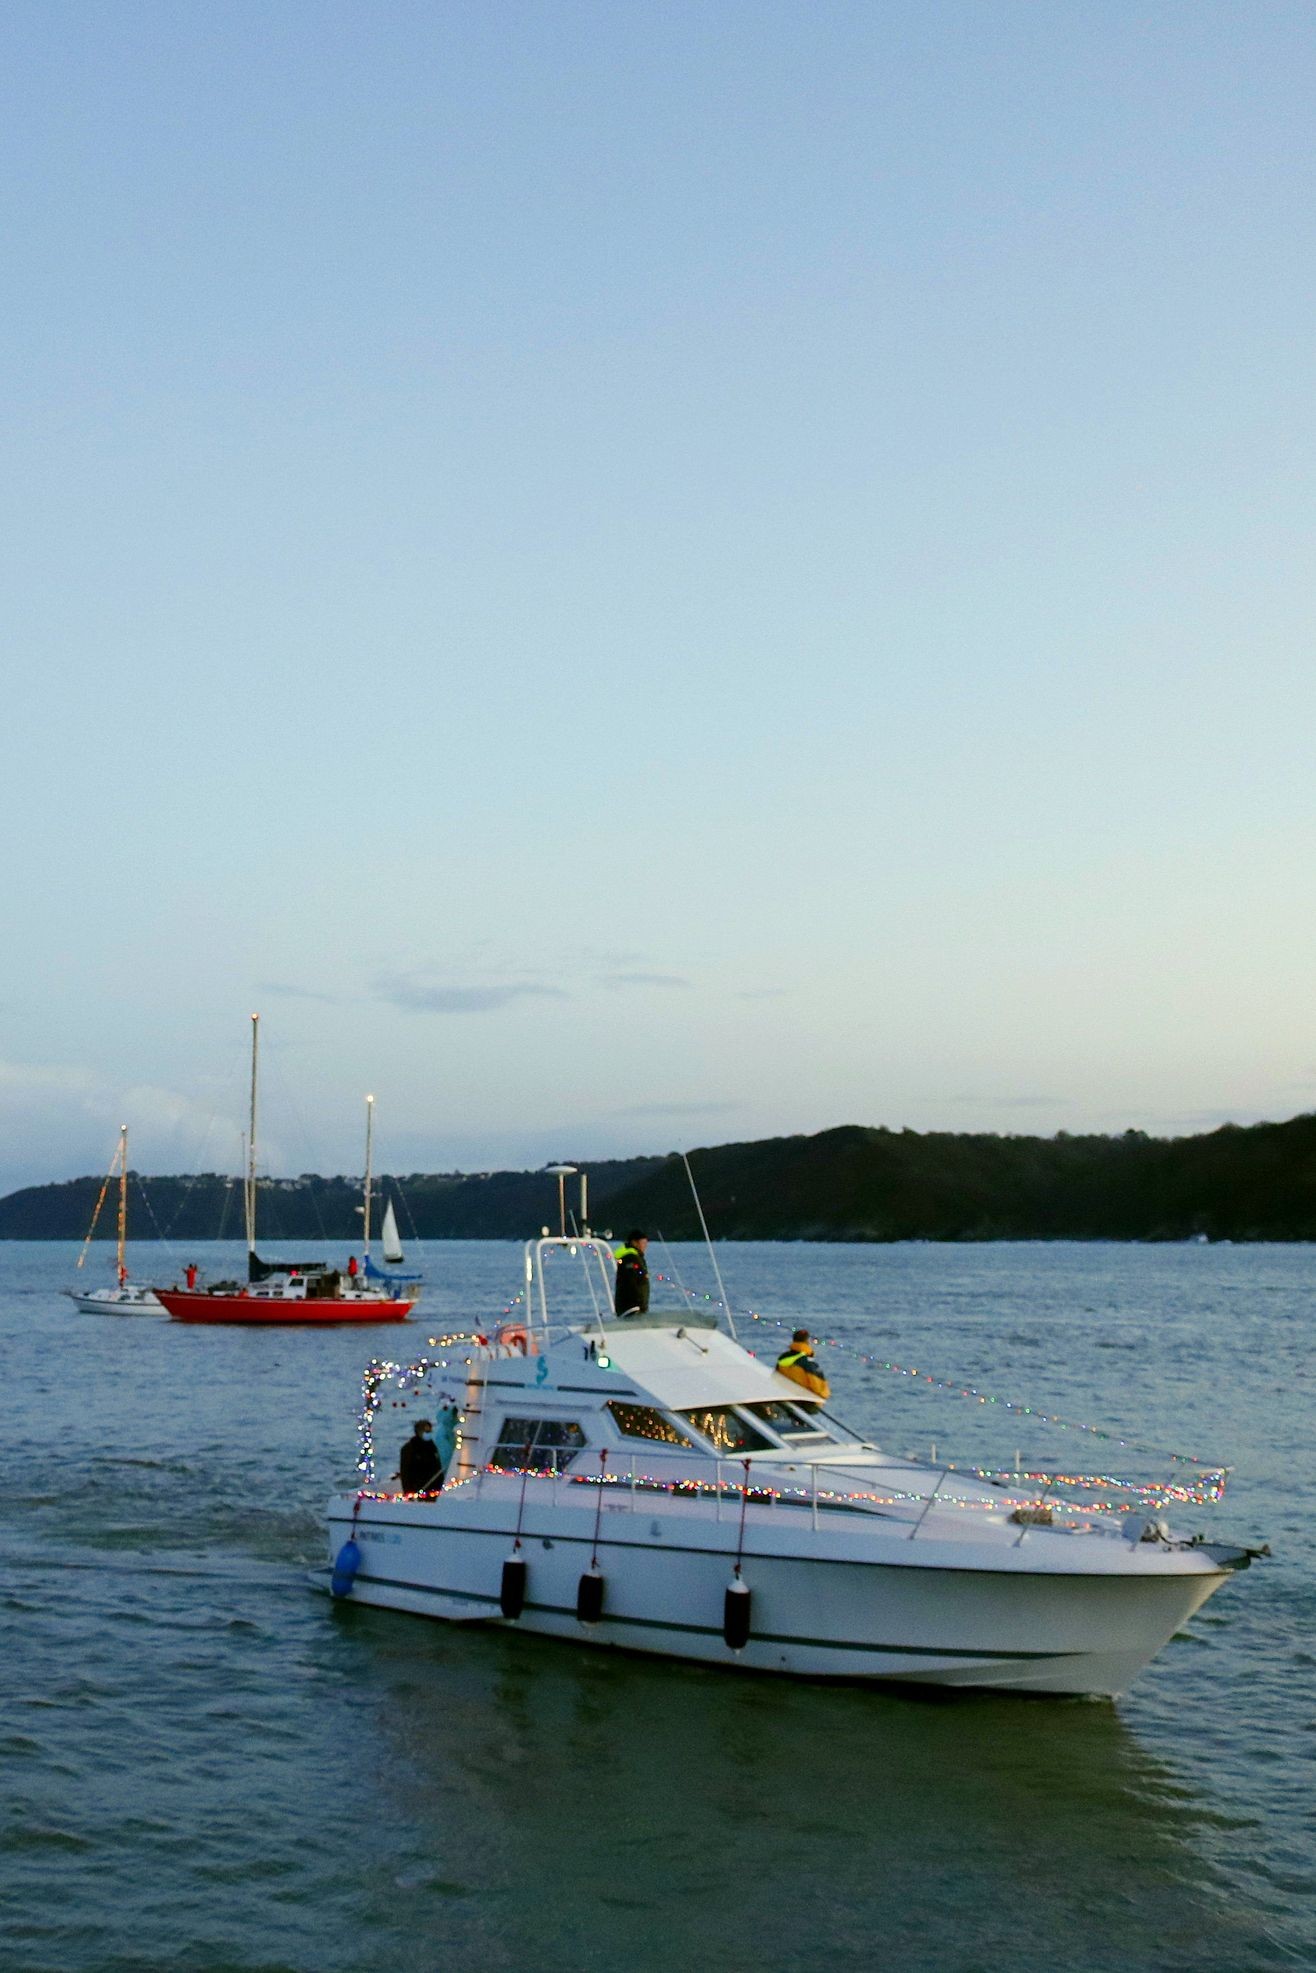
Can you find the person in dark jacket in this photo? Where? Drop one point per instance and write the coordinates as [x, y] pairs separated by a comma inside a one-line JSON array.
[[419, 1467], [632, 1292], [801, 1365]]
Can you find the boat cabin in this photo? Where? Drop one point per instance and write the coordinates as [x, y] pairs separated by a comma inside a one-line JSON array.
[[667, 1391]]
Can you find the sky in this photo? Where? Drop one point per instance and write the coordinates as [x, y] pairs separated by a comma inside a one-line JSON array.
[[634, 576]]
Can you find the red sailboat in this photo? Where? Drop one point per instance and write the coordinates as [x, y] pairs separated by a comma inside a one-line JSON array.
[[287, 1293]]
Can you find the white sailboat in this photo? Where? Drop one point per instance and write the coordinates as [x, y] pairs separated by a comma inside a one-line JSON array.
[[125, 1297], [389, 1242]]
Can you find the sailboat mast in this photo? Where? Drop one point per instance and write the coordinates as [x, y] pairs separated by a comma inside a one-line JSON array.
[[122, 1271], [370, 1138], [251, 1141]]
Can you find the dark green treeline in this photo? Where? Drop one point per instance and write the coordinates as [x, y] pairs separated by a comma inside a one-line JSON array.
[[1239, 1183]]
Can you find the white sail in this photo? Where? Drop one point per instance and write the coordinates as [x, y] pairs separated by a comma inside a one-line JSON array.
[[388, 1235]]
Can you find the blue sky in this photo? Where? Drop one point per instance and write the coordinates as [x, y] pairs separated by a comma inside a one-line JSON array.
[[633, 576]]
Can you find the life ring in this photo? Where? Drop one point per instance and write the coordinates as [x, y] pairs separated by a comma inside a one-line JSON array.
[[514, 1338]]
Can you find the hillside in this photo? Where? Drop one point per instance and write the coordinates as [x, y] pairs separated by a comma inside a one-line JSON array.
[[1253, 1183], [853, 1183], [208, 1206]]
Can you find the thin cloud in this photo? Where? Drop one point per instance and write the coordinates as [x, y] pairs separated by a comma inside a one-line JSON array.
[[285, 992], [675, 1109], [616, 981], [1016, 1102], [423, 997], [62, 1117]]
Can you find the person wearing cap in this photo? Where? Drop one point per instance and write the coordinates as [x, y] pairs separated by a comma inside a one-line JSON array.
[[420, 1468], [802, 1366], [632, 1292]]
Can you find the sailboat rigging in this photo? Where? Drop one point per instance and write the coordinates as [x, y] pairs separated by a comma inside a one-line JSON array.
[[125, 1297], [389, 1240], [301, 1292]]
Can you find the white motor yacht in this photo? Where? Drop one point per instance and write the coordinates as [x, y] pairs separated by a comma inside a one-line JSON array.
[[646, 1482]]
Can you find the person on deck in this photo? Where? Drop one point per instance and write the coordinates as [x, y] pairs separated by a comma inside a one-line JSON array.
[[351, 1270], [190, 1276], [419, 1467], [802, 1366], [632, 1292]]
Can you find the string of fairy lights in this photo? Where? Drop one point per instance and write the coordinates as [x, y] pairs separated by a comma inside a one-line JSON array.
[[959, 1390], [1206, 1486], [409, 1377], [761, 1493], [1017, 1408]]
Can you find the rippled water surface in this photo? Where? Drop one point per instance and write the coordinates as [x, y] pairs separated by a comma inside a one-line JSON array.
[[203, 1765]]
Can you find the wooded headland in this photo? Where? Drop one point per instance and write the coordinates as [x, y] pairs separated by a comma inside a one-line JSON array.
[[1253, 1182]]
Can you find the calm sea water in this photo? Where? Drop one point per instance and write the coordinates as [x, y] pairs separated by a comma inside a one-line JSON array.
[[203, 1765]]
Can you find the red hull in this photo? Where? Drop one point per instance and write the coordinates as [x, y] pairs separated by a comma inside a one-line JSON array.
[[268, 1311]]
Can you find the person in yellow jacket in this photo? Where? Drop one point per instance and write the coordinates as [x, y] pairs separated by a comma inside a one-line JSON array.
[[802, 1366], [631, 1296]]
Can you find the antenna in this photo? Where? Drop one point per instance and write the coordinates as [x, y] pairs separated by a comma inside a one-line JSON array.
[[717, 1272], [562, 1173]]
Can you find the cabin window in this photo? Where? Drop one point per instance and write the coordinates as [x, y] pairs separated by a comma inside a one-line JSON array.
[[789, 1421], [543, 1445], [641, 1421], [727, 1429]]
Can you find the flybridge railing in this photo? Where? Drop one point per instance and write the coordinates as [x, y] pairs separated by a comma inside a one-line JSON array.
[[596, 1260]]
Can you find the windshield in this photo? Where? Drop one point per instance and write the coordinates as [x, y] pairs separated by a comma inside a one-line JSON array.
[[641, 1421], [726, 1429], [789, 1421]]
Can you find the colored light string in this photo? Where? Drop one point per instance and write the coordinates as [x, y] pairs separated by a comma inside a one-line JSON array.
[[761, 1494], [1020, 1410], [1208, 1488]]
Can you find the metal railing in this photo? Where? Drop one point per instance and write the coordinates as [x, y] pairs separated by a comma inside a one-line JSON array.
[[633, 1480]]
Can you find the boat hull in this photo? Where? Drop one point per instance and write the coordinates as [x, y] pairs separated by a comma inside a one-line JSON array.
[[116, 1301], [269, 1311], [853, 1608]]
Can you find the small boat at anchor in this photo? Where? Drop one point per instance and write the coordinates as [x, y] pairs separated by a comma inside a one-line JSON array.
[[125, 1297], [290, 1294], [644, 1482]]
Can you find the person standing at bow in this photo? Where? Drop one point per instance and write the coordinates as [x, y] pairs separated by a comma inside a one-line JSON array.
[[631, 1296]]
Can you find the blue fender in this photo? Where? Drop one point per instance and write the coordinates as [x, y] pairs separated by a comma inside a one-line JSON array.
[[346, 1564]]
